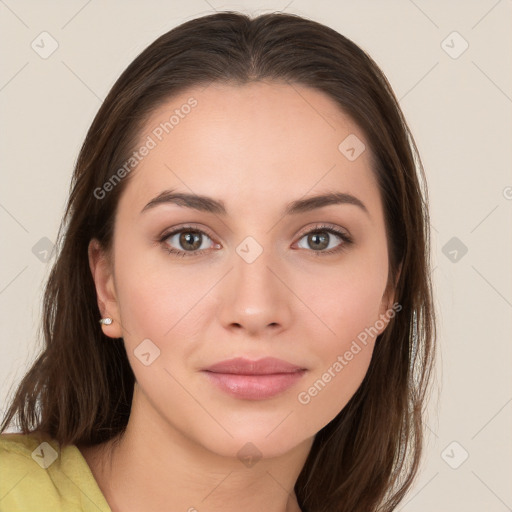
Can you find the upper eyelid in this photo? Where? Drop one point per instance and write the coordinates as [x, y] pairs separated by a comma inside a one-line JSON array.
[[324, 226], [173, 231]]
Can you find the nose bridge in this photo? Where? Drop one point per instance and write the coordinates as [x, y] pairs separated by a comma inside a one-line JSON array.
[[254, 298]]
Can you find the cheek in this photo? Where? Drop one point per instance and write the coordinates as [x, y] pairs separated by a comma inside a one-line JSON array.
[[156, 298], [348, 305], [164, 305], [328, 390], [343, 357], [346, 299]]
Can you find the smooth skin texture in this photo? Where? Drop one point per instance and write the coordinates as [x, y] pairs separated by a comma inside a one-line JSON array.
[[256, 147]]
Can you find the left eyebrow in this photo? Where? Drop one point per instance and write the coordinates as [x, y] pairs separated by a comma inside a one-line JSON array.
[[210, 205], [319, 201]]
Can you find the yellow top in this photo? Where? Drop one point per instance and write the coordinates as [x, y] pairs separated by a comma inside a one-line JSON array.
[[37, 475]]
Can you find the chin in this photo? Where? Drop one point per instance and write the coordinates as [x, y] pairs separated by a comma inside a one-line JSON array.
[[253, 443]]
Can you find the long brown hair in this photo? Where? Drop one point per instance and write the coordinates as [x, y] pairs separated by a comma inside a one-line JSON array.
[[80, 388]]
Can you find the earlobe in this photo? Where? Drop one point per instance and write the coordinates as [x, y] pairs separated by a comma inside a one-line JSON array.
[[103, 277]]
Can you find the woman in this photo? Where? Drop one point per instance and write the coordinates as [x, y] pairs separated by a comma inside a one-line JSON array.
[[247, 224]]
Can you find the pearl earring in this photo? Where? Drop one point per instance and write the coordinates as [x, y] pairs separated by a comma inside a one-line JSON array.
[[106, 321]]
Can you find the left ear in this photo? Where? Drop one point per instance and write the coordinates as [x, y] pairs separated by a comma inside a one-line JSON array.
[[388, 299]]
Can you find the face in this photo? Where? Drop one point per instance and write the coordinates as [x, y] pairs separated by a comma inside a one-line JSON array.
[[257, 270]]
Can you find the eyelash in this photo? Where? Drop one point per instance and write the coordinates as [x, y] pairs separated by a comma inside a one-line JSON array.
[[347, 240]]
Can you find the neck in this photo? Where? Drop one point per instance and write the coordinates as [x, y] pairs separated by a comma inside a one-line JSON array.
[[154, 466]]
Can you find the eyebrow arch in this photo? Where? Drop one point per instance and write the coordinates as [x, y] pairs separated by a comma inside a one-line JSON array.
[[210, 205]]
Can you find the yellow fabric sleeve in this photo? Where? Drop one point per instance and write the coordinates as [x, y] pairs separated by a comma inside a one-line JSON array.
[[38, 475]]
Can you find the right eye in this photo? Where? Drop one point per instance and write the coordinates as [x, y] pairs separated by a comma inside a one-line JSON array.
[[186, 241]]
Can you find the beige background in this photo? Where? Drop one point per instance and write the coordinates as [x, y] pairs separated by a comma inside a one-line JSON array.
[[459, 110]]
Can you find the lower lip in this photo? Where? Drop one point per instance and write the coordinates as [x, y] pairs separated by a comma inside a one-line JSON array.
[[254, 387]]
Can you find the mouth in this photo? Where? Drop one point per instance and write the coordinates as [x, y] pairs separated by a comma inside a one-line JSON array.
[[254, 387], [254, 380]]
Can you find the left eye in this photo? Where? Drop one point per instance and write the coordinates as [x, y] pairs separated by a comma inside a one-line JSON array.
[[324, 240]]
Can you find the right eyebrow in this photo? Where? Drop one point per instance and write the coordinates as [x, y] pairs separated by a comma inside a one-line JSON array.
[[194, 201]]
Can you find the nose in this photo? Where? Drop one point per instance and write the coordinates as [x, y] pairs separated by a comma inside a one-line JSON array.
[[254, 297]]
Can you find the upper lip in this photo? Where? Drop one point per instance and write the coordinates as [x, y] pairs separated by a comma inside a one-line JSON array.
[[242, 366]]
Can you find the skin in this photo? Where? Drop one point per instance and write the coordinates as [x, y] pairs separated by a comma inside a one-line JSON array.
[[256, 147]]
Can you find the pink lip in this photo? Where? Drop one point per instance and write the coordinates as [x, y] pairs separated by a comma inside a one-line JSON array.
[[242, 366], [254, 380]]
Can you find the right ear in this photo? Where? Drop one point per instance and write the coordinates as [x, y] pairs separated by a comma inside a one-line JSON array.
[[103, 276]]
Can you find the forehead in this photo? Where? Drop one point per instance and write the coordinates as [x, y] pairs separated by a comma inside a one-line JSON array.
[[249, 143]]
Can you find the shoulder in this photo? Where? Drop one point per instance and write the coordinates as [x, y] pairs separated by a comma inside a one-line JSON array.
[[22, 445], [37, 473]]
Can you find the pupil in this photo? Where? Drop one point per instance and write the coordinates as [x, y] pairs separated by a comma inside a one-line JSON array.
[[316, 237], [188, 239]]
